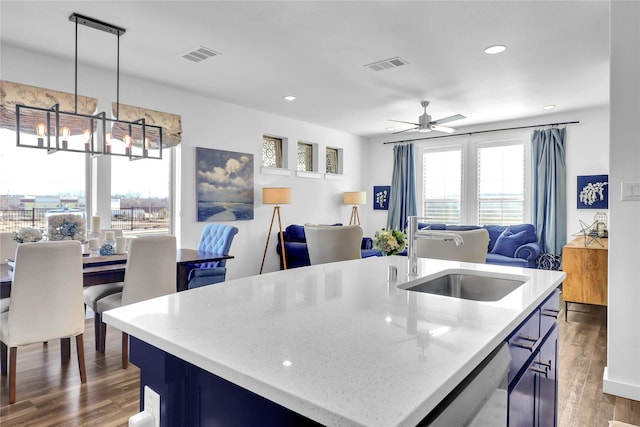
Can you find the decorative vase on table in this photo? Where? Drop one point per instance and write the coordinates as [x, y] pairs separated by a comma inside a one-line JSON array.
[[66, 224], [390, 242], [109, 245]]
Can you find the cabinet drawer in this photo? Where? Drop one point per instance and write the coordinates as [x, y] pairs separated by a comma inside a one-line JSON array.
[[523, 342], [549, 312]]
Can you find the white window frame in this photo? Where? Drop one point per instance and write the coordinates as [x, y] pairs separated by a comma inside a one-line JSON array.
[[440, 147], [98, 182], [469, 196], [488, 143]]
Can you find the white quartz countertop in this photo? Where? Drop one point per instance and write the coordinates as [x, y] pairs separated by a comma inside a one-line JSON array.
[[337, 342]]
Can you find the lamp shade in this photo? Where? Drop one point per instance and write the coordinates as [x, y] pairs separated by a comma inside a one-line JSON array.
[[355, 198], [276, 195]]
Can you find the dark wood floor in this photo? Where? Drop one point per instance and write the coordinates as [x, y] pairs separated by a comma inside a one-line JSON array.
[[49, 394], [583, 356]]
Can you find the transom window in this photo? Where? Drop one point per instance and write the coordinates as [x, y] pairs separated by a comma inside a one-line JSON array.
[[272, 152], [333, 160], [305, 157]]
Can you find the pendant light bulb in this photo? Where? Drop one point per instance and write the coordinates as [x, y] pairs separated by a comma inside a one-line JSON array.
[[41, 129]]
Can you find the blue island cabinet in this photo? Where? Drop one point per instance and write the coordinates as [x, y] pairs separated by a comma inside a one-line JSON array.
[[193, 397], [533, 380]]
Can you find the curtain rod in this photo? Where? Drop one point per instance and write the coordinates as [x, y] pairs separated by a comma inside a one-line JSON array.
[[483, 131]]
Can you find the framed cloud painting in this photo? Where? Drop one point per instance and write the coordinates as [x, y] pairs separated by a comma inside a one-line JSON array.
[[224, 185]]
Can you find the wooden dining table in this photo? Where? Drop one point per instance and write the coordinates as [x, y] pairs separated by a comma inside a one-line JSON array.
[[109, 269]]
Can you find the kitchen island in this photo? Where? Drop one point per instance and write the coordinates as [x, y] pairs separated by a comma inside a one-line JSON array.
[[334, 344]]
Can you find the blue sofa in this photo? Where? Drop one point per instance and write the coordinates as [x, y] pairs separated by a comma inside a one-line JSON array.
[[510, 245], [295, 245]]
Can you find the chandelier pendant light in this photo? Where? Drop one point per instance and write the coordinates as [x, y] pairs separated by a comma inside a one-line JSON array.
[[96, 134]]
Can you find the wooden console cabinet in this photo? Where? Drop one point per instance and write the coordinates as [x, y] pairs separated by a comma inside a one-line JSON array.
[[587, 269]]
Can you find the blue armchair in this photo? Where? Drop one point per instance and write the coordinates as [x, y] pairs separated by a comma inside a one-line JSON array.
[[216, 238]]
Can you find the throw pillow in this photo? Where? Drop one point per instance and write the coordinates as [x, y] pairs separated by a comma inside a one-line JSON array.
[[508, 242]]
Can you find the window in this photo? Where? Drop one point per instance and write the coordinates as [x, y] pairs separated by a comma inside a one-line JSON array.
[[501, 184], [140, 194], [442, 185], [305, 157], [475, 183], [272, 152], [333, 160], [33, 182]]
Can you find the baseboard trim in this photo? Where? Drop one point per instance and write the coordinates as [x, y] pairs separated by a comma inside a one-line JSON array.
[[617, 388]]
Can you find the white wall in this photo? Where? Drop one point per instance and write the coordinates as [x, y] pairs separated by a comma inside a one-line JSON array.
[[587, 154], [622, 374], [213, 124]]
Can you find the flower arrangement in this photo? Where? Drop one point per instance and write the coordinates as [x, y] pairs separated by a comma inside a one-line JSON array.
[[390, 242], [27, 234], [66, 226]]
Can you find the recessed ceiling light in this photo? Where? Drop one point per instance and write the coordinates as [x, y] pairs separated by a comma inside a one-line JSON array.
[[492, 50], [289, 97], [287, 363], [549, 107], [390, 129]]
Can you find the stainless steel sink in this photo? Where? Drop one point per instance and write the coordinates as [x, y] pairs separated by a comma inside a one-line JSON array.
[[469, 286]]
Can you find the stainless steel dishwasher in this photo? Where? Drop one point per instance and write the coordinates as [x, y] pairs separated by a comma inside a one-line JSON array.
[[480, 400]]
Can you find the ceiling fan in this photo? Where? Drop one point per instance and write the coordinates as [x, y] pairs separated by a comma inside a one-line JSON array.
[[425, 124]]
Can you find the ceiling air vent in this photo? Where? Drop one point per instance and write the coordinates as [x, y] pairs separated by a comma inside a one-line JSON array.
[[199, 54], [387, 64]]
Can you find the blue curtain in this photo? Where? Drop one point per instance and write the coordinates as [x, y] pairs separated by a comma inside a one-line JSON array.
[[549, 178], [402, 202]]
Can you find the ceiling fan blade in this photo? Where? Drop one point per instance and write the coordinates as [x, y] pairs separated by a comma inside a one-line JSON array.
[[400, 121], [406, 130], [444, 129], [448, 119]]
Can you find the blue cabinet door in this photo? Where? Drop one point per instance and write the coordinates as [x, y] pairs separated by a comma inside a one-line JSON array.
[[522, 408], [548, 382]]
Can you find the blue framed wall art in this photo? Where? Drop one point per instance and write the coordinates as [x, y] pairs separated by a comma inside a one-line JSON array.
[[381, 195], [593, 192]]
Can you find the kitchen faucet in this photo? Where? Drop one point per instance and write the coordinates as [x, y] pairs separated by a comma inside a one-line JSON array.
[[415, 234]]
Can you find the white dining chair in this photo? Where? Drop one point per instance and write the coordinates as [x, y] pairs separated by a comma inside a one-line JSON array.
[[333, 243], [150, 272], [46, 303], [8, 247], [474, 247]]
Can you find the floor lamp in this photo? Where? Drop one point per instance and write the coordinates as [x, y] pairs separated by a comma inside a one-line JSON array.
[[275, 196], [355, 198]]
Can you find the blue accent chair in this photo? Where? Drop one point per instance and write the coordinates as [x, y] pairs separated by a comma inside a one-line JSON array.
[[216, 238]]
